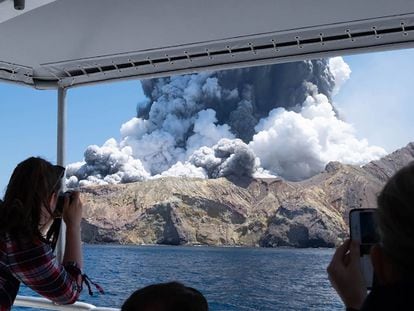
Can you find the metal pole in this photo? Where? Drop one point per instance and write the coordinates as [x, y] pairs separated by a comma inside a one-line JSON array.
[[61, 127], [61, 159]]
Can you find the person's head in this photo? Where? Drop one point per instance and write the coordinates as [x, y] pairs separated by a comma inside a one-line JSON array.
[[30, 196], [393, 259], [171, 296]]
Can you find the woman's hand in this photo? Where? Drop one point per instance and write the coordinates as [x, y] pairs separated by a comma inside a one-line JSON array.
[[72, 210], [345, 275]]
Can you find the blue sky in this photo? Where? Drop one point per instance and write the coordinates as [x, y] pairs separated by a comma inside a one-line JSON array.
[[377, 100]]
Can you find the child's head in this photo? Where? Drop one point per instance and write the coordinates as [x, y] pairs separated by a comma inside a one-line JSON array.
[[171, 296]]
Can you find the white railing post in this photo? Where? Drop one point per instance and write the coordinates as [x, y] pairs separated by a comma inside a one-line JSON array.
[[39, 302], [61, 160]]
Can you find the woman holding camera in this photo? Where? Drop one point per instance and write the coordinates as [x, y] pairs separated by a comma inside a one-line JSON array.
[[25, 216], [392, 258]]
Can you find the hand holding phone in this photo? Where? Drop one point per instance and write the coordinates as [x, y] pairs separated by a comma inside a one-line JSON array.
[[363, 228], [345, 275]]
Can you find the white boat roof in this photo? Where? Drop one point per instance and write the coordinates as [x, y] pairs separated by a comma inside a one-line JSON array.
[[65, 43]]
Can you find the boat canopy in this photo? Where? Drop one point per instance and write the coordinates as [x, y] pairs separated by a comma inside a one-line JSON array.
[[65, 43]]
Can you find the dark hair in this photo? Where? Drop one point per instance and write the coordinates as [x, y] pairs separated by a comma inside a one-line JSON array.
[[31, 185], [171, 296], [396, 219]]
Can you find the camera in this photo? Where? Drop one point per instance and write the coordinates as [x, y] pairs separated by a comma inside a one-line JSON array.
[[60, 202]]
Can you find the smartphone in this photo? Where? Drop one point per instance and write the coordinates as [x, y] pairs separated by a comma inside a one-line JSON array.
[[363, 228]]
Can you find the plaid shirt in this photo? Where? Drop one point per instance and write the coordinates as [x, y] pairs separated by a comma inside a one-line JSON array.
[[33, 263]]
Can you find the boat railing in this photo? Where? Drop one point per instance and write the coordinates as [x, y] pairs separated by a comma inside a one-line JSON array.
[[38, 302]]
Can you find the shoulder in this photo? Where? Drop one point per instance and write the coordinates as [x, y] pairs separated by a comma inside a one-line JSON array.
[[396, 297]]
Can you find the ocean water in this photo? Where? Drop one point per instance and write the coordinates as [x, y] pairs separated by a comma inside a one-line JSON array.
[[242, 279]]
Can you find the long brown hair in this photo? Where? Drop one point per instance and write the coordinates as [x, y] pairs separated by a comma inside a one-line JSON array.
[[31, 186], [396, 219]]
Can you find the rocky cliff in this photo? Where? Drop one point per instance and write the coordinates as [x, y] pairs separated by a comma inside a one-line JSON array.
[[250, 212]]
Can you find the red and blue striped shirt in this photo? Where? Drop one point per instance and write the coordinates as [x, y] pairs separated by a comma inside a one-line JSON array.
[[33, 263]]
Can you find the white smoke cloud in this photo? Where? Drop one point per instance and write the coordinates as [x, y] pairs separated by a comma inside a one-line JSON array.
[[161, 141], [340, 71], [178, 132], [187, 169], [206, 132], [299, 145]]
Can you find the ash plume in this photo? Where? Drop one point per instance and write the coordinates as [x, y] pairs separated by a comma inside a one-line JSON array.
[[241, 97], [259, 121]]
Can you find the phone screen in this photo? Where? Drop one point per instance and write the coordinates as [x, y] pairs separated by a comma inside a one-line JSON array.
[[363, 228], [368, 228]]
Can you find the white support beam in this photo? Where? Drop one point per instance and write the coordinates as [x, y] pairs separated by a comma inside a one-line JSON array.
[[61, 160]]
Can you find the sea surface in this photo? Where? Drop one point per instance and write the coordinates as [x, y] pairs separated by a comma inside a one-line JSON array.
[[242, 279]]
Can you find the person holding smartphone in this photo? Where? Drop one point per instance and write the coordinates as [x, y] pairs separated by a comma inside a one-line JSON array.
[[26, 213], [392, 258]]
